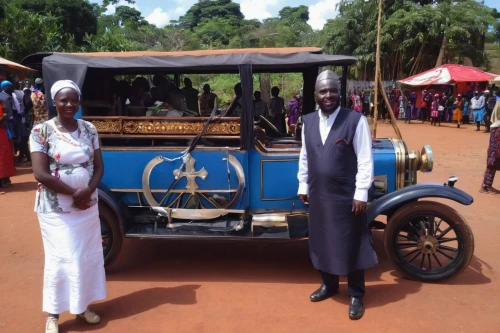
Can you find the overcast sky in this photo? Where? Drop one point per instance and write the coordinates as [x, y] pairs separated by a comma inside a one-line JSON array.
[[161, 12]]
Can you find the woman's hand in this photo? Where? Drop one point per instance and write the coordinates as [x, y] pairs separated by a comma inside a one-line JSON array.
[[82, 195]]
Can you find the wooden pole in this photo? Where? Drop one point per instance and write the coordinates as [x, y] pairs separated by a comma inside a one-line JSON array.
[[389, 108], [377, 71]]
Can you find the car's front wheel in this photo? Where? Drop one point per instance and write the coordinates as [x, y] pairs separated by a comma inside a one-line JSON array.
[[428, 241]]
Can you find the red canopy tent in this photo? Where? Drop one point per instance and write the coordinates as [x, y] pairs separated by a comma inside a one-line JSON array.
[[448, 74]]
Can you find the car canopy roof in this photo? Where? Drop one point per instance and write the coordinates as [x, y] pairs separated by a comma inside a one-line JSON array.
[[294, 59]]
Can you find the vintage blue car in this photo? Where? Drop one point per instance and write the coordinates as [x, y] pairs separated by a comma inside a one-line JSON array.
[[235, 178]]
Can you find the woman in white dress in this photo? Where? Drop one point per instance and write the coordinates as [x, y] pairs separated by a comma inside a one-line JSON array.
[[67, 163]]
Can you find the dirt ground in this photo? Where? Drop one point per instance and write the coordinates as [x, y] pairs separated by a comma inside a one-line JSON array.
[[180, 286]]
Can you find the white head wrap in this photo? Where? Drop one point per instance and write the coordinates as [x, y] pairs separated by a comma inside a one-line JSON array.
[[63, 84]]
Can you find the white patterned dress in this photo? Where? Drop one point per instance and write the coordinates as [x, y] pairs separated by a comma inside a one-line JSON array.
[[74, 266]]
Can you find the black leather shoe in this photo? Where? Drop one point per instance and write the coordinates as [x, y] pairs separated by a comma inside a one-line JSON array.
[[356, 308], [323, 293]]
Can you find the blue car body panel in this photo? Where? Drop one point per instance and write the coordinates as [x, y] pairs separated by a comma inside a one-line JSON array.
[[270, 179]]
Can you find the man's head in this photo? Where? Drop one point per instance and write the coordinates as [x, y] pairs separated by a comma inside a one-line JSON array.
[[7, 86], [327, 91], [188, 83], [206, 88], [238, 90]]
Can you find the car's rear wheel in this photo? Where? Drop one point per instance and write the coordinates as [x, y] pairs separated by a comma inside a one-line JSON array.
[[428, 241], [110, 233]]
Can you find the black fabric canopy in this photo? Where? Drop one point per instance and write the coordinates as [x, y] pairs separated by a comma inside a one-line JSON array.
[[75, 67], [210, 61]]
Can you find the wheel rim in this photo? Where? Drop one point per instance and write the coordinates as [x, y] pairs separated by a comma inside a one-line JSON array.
[[428, 244], [106, 236]]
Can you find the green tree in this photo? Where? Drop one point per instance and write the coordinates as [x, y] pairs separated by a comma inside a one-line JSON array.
[[24, 33], [129, 15], [206, 10], [77, 17]]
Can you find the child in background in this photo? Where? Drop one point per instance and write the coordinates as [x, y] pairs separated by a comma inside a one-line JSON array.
[[434, 111]]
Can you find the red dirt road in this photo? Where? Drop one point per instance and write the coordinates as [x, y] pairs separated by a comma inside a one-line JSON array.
[[226, 287]]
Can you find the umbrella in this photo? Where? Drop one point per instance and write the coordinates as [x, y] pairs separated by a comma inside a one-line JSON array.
[[496, 79], [10, 65], [447, 74]]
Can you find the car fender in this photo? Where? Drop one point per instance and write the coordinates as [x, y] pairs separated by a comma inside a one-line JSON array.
[[107, 197], [389, 203]]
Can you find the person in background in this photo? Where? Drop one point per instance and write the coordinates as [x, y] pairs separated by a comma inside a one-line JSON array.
[[493, 153], [449, 107], [458, 107], [22, 125], [207, 101], [137, 105], [7, 168], [277, 110], [40, 112], [465, 119], [434, 111], [191, 95], [490, 105], [357, 104], [260, 106], [413, 103], [293, 111], [146, 90], [67, 163], [10, 110], [477, 104], [236, 107], [425, 106]]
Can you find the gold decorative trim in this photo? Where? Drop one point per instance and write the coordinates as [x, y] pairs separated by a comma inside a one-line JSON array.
[[107, 126], [164, 126], [400, 152], [262, 179]]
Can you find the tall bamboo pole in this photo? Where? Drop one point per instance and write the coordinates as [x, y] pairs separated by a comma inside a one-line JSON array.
[[377, 71]]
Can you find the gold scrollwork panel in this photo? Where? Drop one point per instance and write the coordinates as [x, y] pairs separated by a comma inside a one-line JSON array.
[[177, 127], [107, 126]]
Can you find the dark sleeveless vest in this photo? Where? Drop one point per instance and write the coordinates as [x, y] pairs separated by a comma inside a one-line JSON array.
[[339, 242]]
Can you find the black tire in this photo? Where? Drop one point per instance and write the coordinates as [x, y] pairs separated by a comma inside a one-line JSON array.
[[401, 228], [111, 234]]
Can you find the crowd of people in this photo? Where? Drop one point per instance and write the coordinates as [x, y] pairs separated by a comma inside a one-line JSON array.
[[164, 98], [473, 106], [21, 107]]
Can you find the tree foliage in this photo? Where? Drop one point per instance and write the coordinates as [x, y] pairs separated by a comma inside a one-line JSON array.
[[76, 17], [416, 34]]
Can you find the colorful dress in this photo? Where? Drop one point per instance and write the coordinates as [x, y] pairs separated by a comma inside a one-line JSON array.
[[434, 112], [40, 113], [74, 265], [293, 111], [7, 168], [457, 112]]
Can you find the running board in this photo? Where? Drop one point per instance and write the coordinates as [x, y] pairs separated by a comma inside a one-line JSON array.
[[263, 226]]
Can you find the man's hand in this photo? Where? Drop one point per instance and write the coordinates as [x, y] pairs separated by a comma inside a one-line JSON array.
[[358, 207], [304, 198]]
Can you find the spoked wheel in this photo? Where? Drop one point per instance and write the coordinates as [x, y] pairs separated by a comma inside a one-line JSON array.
[[428, 241], [110, 234]]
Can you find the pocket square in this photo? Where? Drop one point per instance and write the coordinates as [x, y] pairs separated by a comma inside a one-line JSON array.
[[341, 141]]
